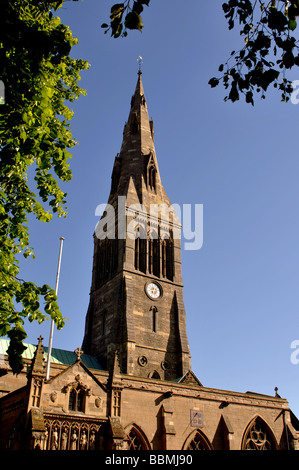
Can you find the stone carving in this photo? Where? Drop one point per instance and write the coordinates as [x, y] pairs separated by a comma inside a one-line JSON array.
[[99, 402], [74, 439], [53, 396], [54, 440], [70, 435]]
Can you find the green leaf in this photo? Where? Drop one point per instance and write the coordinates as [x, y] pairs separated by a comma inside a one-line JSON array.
[[133, 21], [292, 25]]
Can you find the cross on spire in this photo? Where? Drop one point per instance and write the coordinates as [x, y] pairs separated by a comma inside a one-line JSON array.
[[78, 353]]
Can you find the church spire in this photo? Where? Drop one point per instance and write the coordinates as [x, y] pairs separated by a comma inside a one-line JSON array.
[[138, 129], [136, 168], [136, 304]]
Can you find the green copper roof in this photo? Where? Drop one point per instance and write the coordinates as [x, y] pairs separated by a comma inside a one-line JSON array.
[[58, 356]]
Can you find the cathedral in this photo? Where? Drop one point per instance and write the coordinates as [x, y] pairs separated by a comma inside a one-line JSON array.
[[130, 385]]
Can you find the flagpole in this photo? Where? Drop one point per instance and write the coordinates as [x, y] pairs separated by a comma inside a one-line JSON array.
[[52, 322]]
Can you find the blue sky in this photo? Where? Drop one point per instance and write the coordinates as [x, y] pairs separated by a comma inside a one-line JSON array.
[[240, 162]]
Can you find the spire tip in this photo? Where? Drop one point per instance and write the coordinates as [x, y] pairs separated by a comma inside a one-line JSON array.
[[140, 62]]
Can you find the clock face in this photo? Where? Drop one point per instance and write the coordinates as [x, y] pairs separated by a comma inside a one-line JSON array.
[[153, 290]]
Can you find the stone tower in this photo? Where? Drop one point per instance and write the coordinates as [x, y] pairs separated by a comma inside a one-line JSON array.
[[136, 311]]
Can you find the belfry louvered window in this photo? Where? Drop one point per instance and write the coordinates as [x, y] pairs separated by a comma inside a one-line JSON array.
[[140, 250]]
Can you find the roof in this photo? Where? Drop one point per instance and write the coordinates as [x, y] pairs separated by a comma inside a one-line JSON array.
[[58, 356]]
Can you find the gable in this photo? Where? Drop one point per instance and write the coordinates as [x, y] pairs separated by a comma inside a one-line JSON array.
[[78, 379], [69, 374], [190, 379]]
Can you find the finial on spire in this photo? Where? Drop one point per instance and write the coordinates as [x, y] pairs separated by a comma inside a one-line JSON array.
[[140, 62], [78, 353]]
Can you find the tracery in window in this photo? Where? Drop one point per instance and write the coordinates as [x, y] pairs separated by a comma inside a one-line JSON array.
[[136, 441], [258, 437], [154, 255], [198, 443]]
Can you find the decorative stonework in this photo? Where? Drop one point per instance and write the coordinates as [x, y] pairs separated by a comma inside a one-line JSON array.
[[67, 434]]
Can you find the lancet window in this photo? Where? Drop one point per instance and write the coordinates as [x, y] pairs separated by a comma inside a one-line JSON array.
[[116, 402], [140, 250], [151, 174], [198, 443], [154, 255], [154, 318], [170, 258], [135, 441], [77, 399], [152, 177], [36, 393]]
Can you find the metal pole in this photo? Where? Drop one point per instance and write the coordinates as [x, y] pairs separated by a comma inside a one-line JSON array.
[[52, 322]]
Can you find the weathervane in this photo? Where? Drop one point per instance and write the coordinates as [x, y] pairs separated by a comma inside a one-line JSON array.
[[140, 62]]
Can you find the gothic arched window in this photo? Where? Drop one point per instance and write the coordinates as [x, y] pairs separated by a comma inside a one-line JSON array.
[[136, 441], [140, 250], [156, 257], [163, 256], [154, 375], [170, 258], [151, 173], [198, 442], [76, 399], [154, 254], [258, 437], [154, 318], [152, 177]]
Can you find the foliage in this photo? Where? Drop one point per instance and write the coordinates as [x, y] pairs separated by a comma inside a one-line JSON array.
[[125, 16], [39, 77], [269, 48]]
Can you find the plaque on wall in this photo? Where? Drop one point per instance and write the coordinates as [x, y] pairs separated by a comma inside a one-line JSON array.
[[196, 418]]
